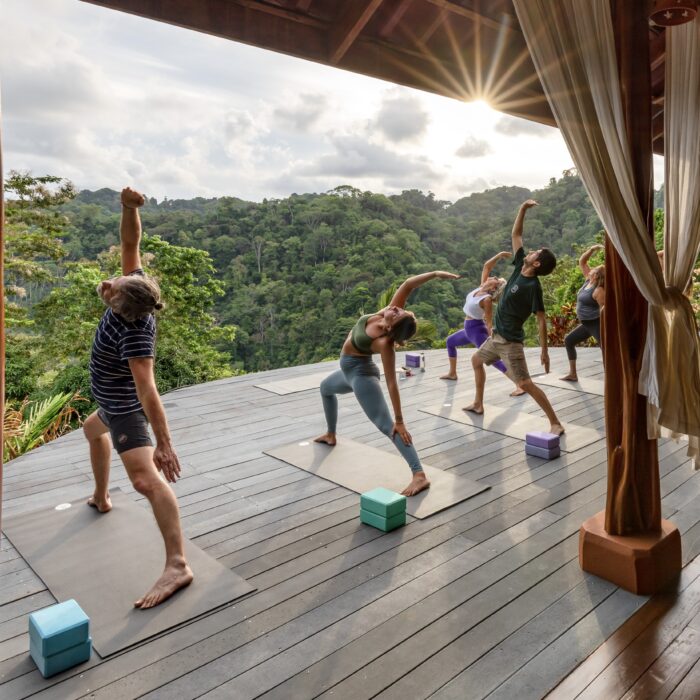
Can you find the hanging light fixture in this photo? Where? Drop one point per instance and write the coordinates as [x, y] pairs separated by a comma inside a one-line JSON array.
[[668, 13]]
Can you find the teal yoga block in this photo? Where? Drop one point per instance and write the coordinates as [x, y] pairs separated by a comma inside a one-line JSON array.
[[384, 524], [55, 663], [58, 627], [383, 502]]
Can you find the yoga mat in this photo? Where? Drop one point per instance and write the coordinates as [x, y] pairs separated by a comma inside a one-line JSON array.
[[106, 562], [587, 385], [361, 468], [513, 423], [282, 387]]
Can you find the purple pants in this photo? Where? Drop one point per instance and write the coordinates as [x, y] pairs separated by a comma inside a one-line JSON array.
[[474, 333]]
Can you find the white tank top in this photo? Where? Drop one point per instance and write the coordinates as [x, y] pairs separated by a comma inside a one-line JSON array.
[[471, 306]]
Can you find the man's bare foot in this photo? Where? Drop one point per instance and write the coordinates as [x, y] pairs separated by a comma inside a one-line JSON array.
[[569, 378], [327, 438], [173, 578], [518, 391], [474, 408], [556, 428], [449, 376], [419, 483], [102, 505]]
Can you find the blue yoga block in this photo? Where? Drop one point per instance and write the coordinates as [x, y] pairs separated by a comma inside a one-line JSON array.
[[546, 440], [412, 359], [384, 524], [58, 627], [51, 665], [543, 452], [383, 502]]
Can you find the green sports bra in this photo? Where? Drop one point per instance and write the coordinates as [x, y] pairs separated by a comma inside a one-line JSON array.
[[359, 338]]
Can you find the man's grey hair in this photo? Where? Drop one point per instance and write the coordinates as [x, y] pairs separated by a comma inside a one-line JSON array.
[[138, 297]]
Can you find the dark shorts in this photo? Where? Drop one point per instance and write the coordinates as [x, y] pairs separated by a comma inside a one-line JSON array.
[[128, 431]]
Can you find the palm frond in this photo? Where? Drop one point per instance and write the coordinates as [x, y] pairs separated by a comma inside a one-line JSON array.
[[35, 423]]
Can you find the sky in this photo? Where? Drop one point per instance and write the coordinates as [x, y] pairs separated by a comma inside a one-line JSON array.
[[107, 100]]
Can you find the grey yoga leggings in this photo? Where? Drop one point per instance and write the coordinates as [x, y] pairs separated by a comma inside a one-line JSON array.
[[581, 333], [360, 375]]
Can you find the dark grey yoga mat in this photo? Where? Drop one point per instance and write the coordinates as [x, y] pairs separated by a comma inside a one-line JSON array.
[[106, 562], [362, 468]]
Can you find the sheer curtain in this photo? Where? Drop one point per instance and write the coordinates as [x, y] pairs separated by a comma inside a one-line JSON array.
[[573, 48]]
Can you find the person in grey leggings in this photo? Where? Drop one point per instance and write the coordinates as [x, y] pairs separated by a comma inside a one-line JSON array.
[[378, 333], [589, 303]]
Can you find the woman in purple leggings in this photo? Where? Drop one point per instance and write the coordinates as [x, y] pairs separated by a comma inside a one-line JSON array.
[[478, 310]]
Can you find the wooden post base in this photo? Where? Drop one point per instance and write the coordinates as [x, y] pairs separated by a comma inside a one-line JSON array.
[[642, 564]]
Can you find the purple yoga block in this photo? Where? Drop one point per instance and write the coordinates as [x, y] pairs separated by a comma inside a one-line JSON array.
[[543, 452], [412, 359], [546, 440]]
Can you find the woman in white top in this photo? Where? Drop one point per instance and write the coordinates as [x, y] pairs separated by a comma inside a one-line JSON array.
[[478, 310]]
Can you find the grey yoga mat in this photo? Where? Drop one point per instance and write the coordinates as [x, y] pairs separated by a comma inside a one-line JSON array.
[[106, 562], [507, 421], [586, 385], [362, 468], [304, 382]]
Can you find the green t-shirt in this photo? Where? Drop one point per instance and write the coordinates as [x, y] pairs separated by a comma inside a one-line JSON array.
[[521, 297]]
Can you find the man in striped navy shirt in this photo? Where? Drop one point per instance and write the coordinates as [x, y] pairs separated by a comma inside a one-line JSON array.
[[124, 387]]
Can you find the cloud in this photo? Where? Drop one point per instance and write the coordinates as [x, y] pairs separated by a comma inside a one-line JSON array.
[[354, 156], [479, 184], [473, 148], [303, 115], [402, 117], [513, 126]]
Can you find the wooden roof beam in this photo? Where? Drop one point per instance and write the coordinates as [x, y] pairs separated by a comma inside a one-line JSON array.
[[394, 18], [473, 15], [351, 21]]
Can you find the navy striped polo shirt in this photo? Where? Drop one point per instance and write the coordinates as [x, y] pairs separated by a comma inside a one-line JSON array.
[[117, 340]]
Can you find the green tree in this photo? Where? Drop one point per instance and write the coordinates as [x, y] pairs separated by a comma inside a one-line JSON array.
[[33, 250]]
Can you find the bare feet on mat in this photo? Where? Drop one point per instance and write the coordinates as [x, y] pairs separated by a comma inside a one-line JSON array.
[[326, 438], [449, 376], [418, 483], [518, 391], [569, 378], [173, 578], [102, 505], [474, 408], [556, 428]]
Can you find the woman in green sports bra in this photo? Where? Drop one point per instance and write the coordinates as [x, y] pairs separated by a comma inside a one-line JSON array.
[[378, 333]]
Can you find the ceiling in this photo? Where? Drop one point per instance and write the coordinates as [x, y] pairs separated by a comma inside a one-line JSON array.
[[463, 49]]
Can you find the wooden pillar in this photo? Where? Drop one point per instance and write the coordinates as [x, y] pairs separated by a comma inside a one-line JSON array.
[[629, 543]]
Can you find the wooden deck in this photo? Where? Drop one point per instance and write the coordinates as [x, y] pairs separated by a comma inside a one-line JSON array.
[[485, 599]]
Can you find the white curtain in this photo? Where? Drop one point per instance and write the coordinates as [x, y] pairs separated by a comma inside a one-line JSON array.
[[573, 48]]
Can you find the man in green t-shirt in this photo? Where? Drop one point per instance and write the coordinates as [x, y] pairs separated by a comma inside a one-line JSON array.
[[522, 297]]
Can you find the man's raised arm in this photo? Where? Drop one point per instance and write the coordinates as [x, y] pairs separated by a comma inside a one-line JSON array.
[[517, 234], [130, 229]]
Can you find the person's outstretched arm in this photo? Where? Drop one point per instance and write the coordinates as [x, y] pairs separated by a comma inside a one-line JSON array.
[[164, 455], [542, 328], [130, 229], [388, 355], [491, 263], [401, 295], [583, 260], [516, 235]]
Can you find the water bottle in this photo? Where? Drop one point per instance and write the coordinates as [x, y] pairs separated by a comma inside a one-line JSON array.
[[422, 362]]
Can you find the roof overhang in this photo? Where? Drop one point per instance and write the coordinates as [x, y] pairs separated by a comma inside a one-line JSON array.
[[462, 49]]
